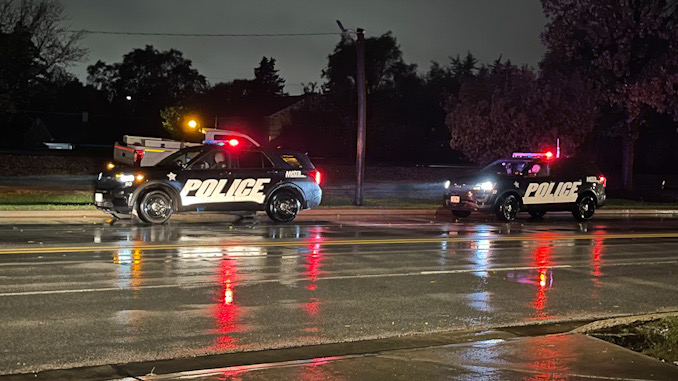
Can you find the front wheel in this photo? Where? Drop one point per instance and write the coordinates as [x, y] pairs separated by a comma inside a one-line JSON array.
[[283, 206], [585, 208], [507, 208], [155, 207]]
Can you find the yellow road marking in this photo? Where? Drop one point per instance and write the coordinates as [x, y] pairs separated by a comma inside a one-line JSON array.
[[335, 242]]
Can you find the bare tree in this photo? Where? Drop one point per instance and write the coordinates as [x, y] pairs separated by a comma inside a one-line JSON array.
[[41, 22]]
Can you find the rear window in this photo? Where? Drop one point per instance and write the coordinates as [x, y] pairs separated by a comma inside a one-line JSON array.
[[291, 160]]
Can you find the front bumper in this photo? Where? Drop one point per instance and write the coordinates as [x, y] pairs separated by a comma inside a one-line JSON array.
[[469, 200]]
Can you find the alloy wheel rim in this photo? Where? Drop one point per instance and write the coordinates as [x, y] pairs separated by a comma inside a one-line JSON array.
[[157, 207], [285, 207], [510, 208]]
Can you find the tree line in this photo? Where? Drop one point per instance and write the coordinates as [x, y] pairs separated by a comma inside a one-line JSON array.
[[610, 70]]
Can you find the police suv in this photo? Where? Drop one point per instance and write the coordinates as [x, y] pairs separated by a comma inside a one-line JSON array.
[[531, 182], [212, 178]]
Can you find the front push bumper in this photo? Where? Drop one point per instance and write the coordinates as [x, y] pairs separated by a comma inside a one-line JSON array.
[[113, 201]]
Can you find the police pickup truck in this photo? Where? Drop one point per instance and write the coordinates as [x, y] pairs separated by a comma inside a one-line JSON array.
[[144, 151], [531, 182], [212, 177]]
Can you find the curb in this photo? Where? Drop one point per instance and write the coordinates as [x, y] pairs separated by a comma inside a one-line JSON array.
[[80, 213], [623, 320]]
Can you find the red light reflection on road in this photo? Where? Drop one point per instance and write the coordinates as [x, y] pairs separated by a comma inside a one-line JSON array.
[[555, 356], [314, 260], [543, 253], [313, 263], [317, 370], [226, 310], [596, 262], [597, 256]]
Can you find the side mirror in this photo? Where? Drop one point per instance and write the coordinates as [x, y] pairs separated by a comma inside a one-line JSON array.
[[179, 163]]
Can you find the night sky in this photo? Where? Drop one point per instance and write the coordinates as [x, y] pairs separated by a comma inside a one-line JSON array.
[[427, 30]]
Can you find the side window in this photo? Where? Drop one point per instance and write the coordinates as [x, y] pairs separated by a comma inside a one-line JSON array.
[[566, 169], [187, 158], [253, 160], [538, 169], [211, 160]]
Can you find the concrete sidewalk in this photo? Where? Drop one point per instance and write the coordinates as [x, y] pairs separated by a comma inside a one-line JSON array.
[[469, 355], [560, 356]]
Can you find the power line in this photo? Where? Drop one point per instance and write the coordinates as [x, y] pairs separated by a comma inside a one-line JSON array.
[[87, 31]]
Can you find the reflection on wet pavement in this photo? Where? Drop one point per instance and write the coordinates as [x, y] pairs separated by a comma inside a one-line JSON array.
[[193, 289]]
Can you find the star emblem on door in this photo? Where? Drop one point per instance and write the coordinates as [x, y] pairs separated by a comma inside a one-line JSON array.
[[516, 184], [172, 176]]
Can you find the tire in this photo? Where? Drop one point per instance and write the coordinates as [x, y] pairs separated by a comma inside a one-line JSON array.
[[507, 208], [155, 207], [537, 213], [586, 207], [283, 206], [461, 213]]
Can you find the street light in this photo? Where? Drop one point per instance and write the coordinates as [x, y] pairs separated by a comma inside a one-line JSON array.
[[192, 124], [359, 37]]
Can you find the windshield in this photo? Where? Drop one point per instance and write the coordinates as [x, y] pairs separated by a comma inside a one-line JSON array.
[[507, 167], [183, 157]]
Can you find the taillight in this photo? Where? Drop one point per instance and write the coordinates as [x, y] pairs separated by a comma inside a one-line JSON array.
[[138, 155], [602, 180], [317, 176]]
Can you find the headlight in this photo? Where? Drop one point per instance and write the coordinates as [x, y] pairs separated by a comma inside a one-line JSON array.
[[447, 184], [486, 186], [123, 178]]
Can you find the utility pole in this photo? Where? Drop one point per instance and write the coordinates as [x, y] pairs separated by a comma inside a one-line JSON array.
[[362, 119], [359, 38]]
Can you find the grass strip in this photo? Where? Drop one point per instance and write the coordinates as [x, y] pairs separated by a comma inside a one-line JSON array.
[[657, 338]]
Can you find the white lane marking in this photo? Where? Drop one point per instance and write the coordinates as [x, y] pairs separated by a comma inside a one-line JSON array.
[[338, 277]]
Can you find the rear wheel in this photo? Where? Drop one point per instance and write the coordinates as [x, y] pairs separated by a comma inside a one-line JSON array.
[[461, 213], [507, 208], [155, 207], [586, 207], [537, 213], [283, 206]]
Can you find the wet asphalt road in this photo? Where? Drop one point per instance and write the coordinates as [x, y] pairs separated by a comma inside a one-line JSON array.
[[81, 294]]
